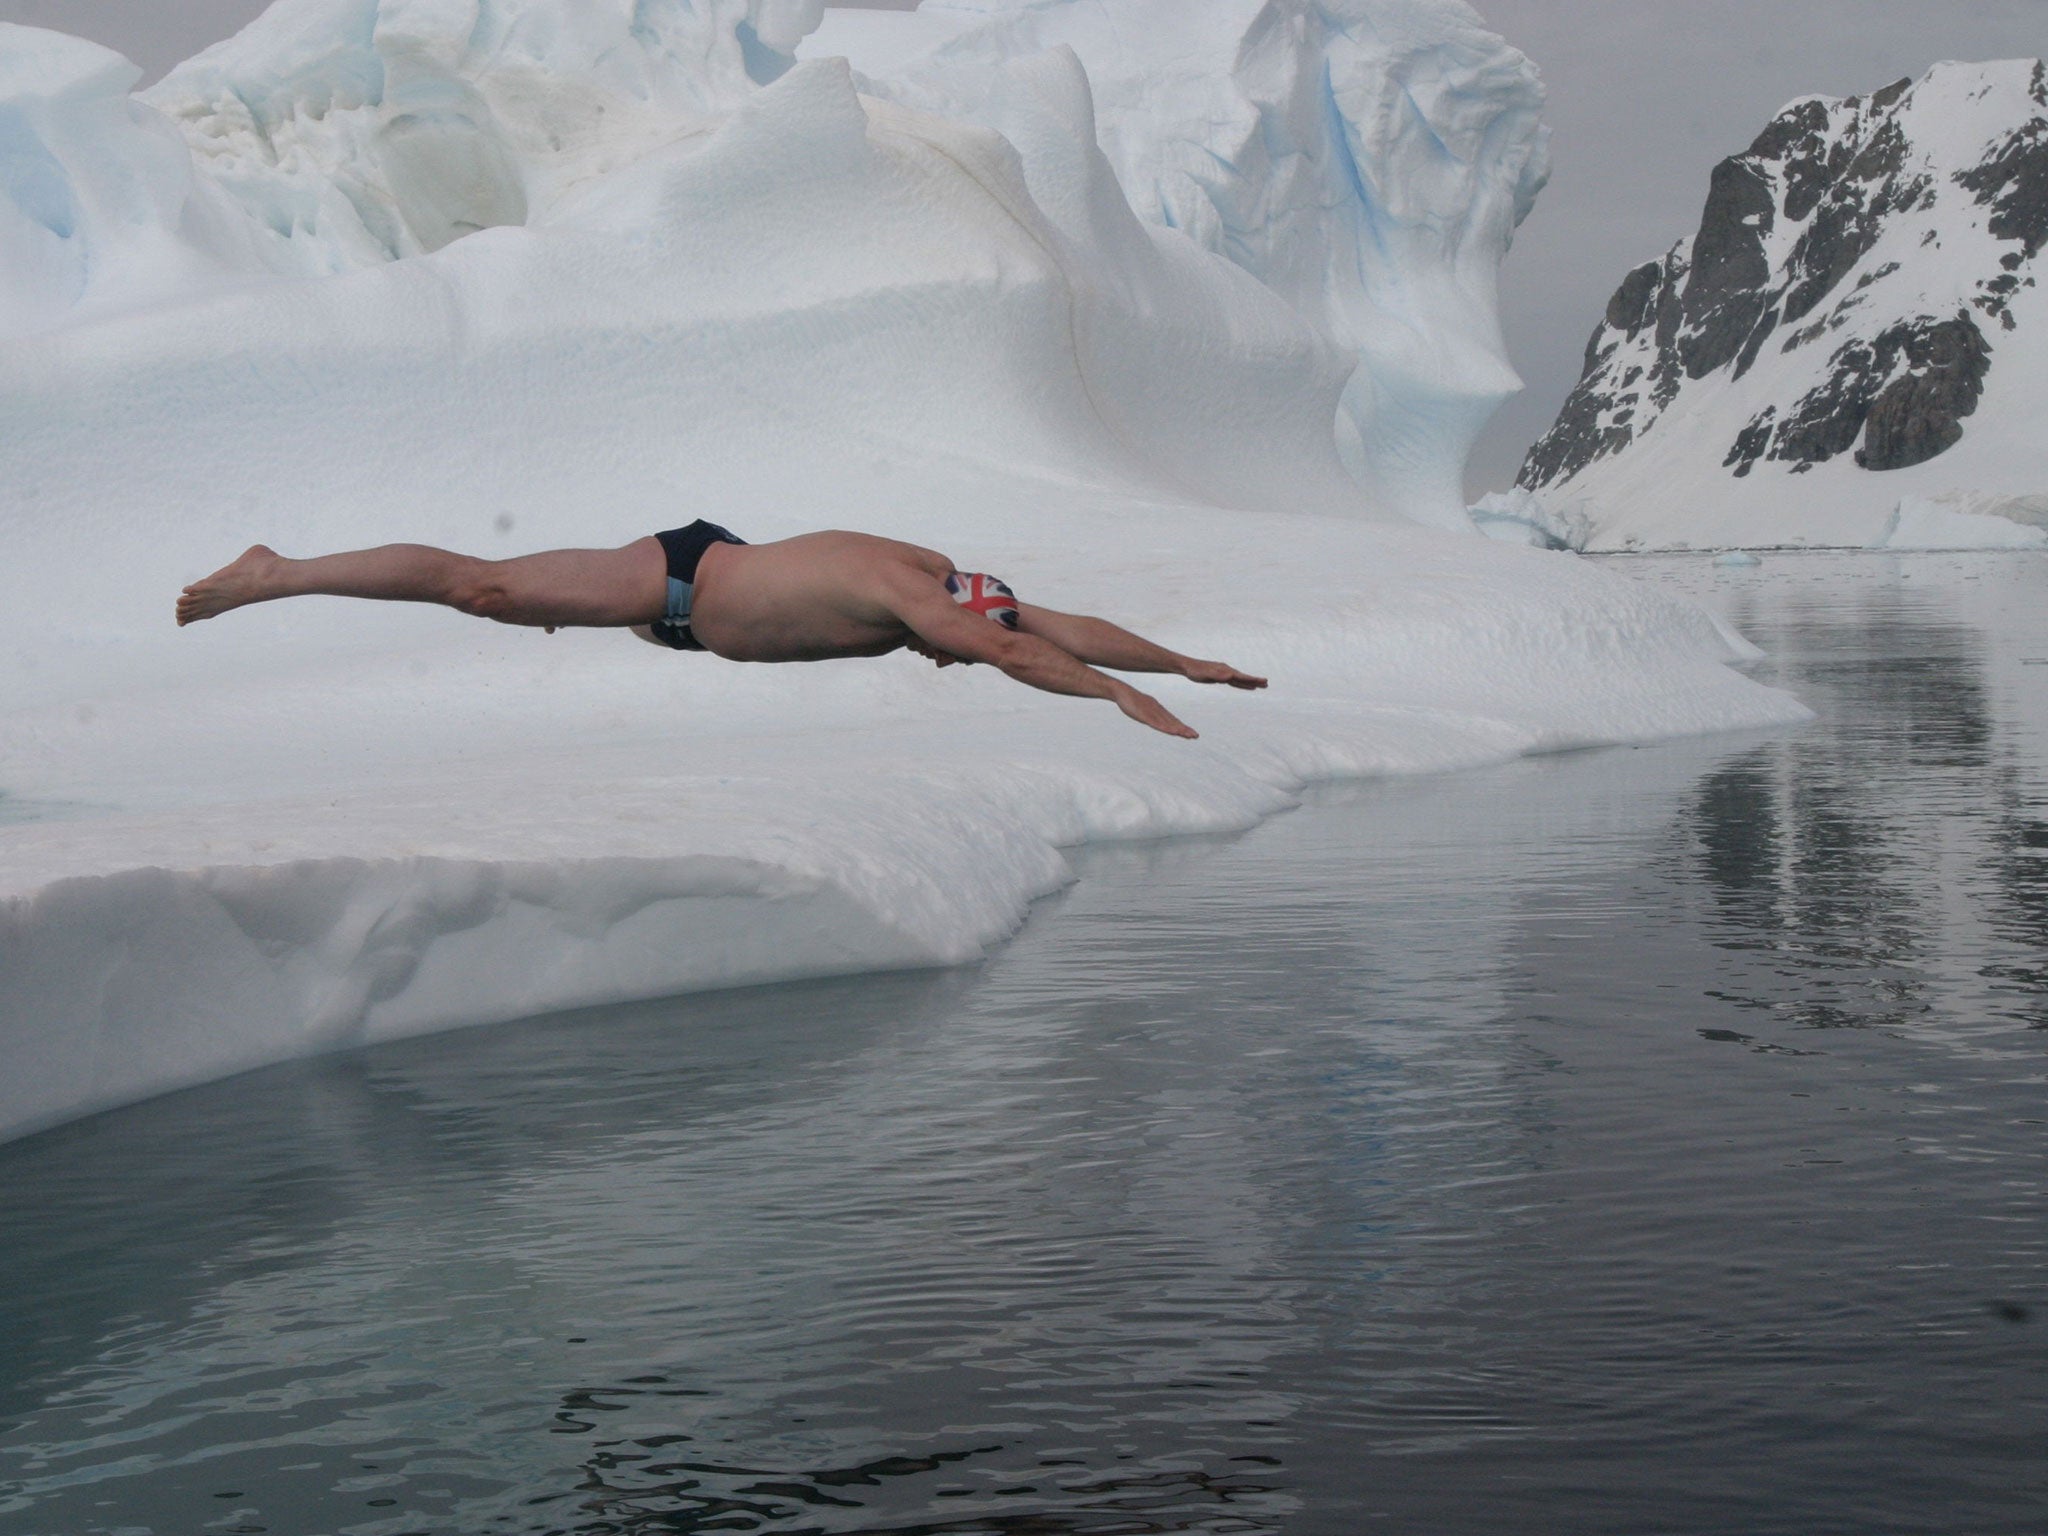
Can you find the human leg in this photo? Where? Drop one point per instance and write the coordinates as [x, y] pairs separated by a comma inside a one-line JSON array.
[[589, 587], [556, 587]]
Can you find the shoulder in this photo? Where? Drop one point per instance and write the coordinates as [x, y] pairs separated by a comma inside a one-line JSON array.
[[890, 559], [930, 559]]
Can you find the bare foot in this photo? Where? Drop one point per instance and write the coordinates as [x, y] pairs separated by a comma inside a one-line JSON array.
[[249, 579]]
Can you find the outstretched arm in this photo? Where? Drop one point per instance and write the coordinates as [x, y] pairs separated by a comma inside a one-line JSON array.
[[942, 624], [1103, 644]]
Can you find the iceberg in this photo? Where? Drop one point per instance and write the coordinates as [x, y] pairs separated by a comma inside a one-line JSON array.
[[100, 207], [1523, 517], [1367, 161], [510, 274], [1966, 521]]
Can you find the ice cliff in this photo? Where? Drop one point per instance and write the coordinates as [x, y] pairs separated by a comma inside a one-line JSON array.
[[508, 274], [1851, 349], [1368, 161]]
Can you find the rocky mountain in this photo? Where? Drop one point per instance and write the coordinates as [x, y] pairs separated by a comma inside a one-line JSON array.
[[1857, 325]]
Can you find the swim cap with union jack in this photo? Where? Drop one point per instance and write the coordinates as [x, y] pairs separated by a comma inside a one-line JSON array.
[[984, 595]]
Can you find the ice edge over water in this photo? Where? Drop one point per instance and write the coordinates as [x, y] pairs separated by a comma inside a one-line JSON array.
[[248, 944]]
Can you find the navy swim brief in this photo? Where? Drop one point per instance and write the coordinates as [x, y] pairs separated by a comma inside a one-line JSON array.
[[685, 547]]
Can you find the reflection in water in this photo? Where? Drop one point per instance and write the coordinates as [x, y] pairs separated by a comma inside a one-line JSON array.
[[647, 1487], [1470, 1155], [1891, 863]]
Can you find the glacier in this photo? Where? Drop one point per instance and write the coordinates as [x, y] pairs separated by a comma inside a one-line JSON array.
[[1191, 333]]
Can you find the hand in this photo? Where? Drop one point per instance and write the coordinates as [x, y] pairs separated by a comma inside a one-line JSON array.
[[1222, 672], [1146, 710]]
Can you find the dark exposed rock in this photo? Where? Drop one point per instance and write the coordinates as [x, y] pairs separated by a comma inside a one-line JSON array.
[[1766, 323], [1750, 442], [1726, 292], [1813, 162], [1828, 419], [1630, 308], [1848, 220], [1806, 336], [1575, 439], [1919, 414], [1671, 298], [1667, 371], [1598, 418], [1728, 252], [1802, 127], [1995, 299], [2013, 184], [1911, 387]]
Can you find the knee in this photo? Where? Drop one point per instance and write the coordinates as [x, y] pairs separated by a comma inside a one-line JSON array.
[[481, 592]]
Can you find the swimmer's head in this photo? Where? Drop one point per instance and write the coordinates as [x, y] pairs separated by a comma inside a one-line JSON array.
[[985, 595]]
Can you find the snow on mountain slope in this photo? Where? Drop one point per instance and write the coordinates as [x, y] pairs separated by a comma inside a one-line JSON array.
[[1367, 160], [1858, 322], [741, 290]]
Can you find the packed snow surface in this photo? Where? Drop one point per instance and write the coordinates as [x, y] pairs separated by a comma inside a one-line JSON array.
[[510, 274]]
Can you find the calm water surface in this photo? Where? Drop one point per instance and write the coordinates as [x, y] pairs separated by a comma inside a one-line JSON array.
[[1630, 1141]]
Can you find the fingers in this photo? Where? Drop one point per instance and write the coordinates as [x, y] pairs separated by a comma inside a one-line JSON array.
[[1223, 672], [934, 655], [1146, 710]]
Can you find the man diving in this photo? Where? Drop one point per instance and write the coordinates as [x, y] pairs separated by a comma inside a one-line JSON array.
[[701, 588]]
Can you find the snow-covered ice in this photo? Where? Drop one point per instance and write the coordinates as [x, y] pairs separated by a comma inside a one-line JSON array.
[[1966, 521], [507, 274], [1518, 516]]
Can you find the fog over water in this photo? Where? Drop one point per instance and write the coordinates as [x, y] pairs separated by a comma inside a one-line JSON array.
[[1629, 1139]]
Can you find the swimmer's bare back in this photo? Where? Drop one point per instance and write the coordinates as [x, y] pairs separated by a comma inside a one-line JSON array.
[[815, 597]]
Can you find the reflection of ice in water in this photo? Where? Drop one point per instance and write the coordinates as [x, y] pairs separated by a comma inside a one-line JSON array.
[[1391, 1157], [1893, 867]]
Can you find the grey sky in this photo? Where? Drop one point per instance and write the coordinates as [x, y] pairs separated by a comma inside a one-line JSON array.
[[1645, 95]]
